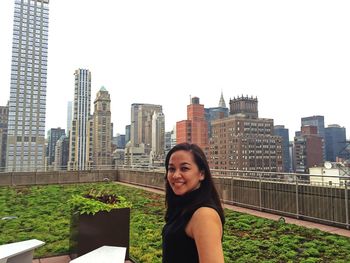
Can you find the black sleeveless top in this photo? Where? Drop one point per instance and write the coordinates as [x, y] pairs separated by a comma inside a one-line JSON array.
[[177, 246]]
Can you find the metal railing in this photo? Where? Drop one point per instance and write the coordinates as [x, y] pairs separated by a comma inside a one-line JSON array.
[[317, 198]]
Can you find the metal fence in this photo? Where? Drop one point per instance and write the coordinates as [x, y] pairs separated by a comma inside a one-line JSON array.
[[322, 199], [317, 198]]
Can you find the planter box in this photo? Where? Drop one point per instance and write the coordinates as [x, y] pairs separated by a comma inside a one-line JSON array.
[[89, 232]]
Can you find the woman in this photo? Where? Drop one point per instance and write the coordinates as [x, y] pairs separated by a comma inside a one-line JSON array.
[[194, 216]]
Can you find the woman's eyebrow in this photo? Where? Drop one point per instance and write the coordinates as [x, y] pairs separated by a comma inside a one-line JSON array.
[[184, 163]]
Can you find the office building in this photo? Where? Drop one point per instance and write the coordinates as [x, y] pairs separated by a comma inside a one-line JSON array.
[[80, 139], [119, 141], [141, 124], [195, 128], [215, 113], [61, 153], [27, 105], [242, 141], [317, 121], [102, 135], [127, 133], [335, 142], [158, 138], [69, 116], [170, 140], [280, 130], [53, 135], [308, 148]]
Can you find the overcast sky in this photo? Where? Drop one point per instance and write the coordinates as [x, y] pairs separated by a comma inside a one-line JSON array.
[[293, 55]]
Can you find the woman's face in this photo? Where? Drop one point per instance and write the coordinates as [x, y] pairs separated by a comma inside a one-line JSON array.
[[183, 173]]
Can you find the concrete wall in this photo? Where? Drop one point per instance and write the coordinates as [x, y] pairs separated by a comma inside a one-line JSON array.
[[56, 177]]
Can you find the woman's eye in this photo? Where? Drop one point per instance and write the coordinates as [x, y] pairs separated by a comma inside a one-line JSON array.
[[184, 169], [171, 170]]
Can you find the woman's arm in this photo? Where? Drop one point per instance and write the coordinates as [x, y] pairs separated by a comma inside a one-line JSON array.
[[206, 229]]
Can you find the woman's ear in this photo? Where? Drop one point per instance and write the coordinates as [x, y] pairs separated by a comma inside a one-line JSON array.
[[202, 176]]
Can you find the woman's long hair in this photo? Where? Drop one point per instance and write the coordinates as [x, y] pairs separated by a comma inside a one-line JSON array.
[[207, 189]]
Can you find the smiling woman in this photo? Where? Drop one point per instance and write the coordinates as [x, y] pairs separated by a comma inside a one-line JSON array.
[[194, 216]]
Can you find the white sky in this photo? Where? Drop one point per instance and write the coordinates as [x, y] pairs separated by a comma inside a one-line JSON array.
[[293, 55]]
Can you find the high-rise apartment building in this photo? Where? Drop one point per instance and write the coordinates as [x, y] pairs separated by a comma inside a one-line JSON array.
[[195, 128], [4, 111], [27, 106], [335, 142], [242, 141], [102, 135], [53, 135], [80, 139], [280, 130]]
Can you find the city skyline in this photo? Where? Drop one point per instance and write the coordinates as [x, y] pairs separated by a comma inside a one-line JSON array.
[[293, 57]]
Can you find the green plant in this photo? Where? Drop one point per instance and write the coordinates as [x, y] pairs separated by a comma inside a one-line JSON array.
[[96, 201]]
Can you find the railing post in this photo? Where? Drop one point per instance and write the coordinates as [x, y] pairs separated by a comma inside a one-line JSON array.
[[346, 205], [296, 196], [260, 193], [231, 194]]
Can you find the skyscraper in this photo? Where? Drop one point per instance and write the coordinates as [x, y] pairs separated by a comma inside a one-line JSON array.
[[53, 135], [141, 124], [215, 113], [127, 133], [102, 134], [195, 128], [280, 130], [158, 135], [317, 121], [80, 140], [335, 142], [308, 149], [69, 116], [61, 153], [27, 106]]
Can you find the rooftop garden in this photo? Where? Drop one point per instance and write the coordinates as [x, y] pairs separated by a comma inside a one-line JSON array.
[[43, 212]]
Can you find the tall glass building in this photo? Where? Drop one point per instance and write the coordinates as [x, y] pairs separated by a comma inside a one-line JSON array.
[[27, 105], [80, 139], [335, 142]]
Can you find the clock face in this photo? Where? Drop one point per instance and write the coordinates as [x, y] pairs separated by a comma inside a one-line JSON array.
[[328, 165]]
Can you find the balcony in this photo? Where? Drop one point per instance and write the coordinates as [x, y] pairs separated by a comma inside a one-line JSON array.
[[46, 218]]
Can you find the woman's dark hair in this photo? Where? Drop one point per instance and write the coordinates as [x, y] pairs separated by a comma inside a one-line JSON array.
[[207, 188]]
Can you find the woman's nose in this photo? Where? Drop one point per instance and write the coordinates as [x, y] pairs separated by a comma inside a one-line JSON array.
[[176, 174]]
